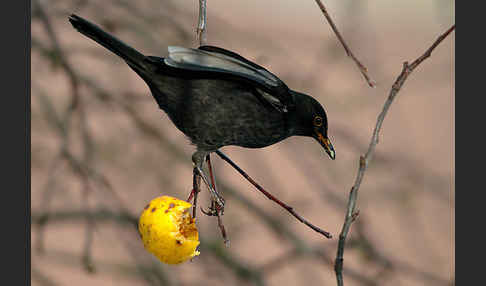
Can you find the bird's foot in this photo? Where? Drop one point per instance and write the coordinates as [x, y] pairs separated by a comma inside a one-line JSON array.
[[214, 194], [217, 201], [209, 212], [214, 209], [217, 210]]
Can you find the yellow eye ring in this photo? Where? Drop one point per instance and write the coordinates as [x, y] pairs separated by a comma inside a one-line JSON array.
[[318, 121]]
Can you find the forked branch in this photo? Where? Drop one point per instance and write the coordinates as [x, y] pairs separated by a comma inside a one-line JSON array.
[[351, 212]]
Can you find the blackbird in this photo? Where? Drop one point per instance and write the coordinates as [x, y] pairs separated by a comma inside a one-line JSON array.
[[218, 98]]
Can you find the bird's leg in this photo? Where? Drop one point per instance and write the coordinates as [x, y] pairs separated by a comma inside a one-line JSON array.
[[219, 208], [214, 195], [196, 182], [210, 168], [198, 159], [217, 201], [271, 197], [215, 209]]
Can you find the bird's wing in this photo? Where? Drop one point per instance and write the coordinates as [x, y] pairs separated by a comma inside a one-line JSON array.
[[215, 60], [224, 62]]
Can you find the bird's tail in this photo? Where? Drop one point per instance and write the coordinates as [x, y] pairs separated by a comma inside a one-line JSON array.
[[129, 54]]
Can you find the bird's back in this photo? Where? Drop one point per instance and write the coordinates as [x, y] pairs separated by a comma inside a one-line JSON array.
[[216, 112], [213, 108]]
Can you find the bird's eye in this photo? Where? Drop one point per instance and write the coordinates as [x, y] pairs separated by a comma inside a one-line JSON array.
[[317, 121]]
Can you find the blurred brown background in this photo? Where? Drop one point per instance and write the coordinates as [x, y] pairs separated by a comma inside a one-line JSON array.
[[101, 148]]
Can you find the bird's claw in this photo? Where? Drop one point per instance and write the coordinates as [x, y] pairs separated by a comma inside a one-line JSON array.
[[219, 203], [210, 212], [215, 209]]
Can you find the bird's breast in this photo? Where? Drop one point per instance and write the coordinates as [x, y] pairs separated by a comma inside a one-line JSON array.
[[216, 113]]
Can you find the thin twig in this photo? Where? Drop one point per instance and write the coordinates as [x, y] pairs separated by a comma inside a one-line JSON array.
[[271, 197], [202, 23], [351, 212], [362, 68]]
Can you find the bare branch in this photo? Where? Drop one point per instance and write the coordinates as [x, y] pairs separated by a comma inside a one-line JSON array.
[[271, 197], [202, 23], [362, 68], [351, 212]]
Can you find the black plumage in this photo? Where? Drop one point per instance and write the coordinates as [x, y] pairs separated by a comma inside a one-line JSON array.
[[218, 98]]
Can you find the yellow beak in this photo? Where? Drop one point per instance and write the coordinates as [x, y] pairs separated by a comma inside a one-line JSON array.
[[326, 143]]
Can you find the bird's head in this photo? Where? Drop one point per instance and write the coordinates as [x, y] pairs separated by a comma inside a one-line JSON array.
[[310, 119]]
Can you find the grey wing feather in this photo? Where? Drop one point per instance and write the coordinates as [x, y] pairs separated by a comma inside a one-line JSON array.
[[275, 102], [200, 60]]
